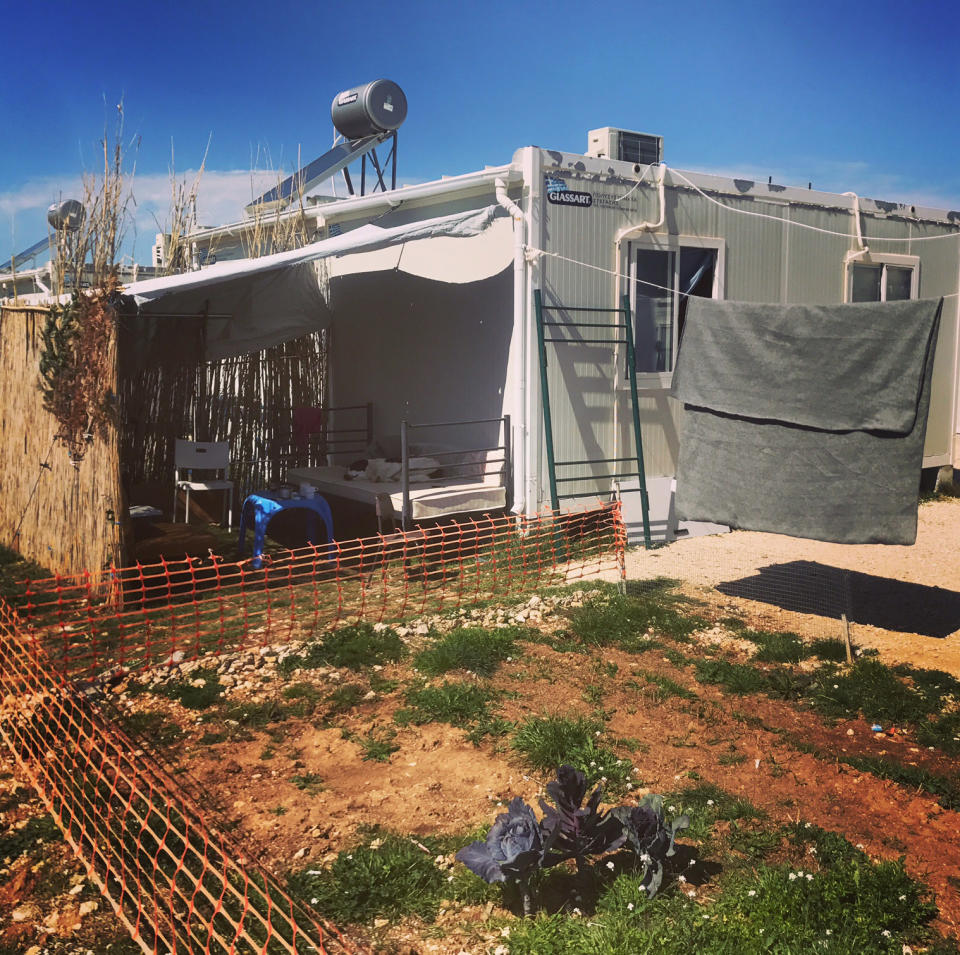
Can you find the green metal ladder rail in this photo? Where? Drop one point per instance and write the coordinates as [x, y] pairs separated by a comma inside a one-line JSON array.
[[625, 329]]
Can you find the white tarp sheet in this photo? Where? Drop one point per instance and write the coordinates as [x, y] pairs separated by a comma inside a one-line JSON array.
[[254, 303]]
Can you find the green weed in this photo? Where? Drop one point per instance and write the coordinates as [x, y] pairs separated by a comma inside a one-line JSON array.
[[549, 742], [734, 677], [388, 877], [310, 783], [190, 695], [773, 647], [355, 647], [475, 649], [378, 747], [458, 704]]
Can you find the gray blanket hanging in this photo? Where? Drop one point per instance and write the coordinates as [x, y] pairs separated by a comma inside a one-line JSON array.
[[806, 420]]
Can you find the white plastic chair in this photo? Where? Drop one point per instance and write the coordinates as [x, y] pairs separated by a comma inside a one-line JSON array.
[[207, 456]]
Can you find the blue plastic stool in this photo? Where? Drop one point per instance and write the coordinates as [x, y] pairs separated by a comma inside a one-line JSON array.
[[264, 505]]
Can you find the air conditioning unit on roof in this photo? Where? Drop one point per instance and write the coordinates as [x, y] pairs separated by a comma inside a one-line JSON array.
[[625, 145]]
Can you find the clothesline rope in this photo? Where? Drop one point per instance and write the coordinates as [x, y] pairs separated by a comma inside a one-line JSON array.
[[531, 251], [804, 225]]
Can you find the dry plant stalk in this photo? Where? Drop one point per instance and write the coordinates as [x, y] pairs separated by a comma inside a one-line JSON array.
[[87, 255], [273, 228], [76, 366], [183, 218]]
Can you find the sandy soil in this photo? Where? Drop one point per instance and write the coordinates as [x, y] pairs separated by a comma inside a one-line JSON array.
[[904, 601]]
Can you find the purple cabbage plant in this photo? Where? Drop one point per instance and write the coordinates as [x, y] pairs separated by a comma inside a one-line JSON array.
[[517, 847], [572, 830], [649, 836], [512, 851]]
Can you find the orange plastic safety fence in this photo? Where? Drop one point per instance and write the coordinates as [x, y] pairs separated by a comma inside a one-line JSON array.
[[178, 884], [177, 610]]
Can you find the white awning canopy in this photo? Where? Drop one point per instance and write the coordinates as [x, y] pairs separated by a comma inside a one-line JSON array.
[[250, 304]]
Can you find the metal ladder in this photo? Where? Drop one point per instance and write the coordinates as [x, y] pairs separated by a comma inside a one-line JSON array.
[[622, 326]]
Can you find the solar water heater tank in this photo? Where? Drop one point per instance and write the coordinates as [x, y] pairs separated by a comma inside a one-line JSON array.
[[376, 107]]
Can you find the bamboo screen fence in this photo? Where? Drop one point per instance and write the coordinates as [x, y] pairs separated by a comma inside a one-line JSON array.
[[62, 516], [169, 391], [71, 518]]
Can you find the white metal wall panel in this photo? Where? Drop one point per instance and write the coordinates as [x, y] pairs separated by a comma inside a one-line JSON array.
[[764, 260]]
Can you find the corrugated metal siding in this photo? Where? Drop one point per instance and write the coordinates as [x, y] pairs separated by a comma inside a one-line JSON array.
[[765, 260]]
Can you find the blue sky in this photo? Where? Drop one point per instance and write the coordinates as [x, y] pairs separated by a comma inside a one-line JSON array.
[[846, 95]]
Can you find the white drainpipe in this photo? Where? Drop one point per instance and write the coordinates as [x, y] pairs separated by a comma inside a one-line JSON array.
[[519, 289]]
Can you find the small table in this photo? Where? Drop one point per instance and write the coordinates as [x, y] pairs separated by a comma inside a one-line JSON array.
[[265, 504]]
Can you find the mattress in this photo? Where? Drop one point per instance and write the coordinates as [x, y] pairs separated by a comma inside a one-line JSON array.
[[443, 497]]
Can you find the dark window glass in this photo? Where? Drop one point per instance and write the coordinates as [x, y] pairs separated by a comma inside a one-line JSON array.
[[865, 286], [898, 283], [654, 310]]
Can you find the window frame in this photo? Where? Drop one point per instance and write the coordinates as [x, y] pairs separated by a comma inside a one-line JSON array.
[[883, 259], [659, 242]]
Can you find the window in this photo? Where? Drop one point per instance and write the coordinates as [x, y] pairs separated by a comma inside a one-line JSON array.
[[664, 273], [883, 278]]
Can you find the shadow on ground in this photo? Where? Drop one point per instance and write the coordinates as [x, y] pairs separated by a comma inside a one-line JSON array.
[[806, 586]]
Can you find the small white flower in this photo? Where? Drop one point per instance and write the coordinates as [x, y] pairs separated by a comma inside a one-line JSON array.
[[829, 931], [903, 898], [671, 809], [592, 763], [809, 876], [629, 906], [681, 878], [449, 878], [836, 686], [792, 877], [314, 901], [806, 825], [705, 917], [610, 866], [576, 912], [505, 931], [752, 893], [859, 845], [709, 802], [886, 933], [812, 851]]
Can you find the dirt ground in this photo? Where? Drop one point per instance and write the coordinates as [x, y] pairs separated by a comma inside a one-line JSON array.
[[437, 782], [903, 601]]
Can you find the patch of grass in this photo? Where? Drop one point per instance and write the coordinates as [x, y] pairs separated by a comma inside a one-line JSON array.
[[458, 704], [548, 742], [829, 649], [386, 877], [851, 906], [496, 727], [475, 649], [152, 726], [251, 715], [39, 829], [665, 687], [714, 803], [15, 572], [675, 657], [593, 694], [633, 623], [191, 696], [355, 647], [378, 747], [302, 691], [737, 678], [380, 684], [310, 783], [773, 647], [943, 732], [872, 690], [344, 698]]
